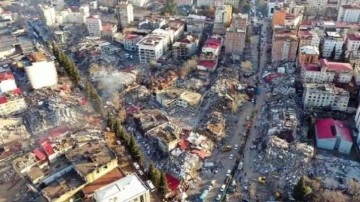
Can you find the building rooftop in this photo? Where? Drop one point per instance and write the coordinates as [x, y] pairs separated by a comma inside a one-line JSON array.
[[38, 57], [213, 43], [333, 34], [107, 27], [124, 189], [108, 178], [310, 50], [175, 24], [62, 185], [152, 39], [25, 161], [354, 36], [327, 88], [10, 95], [312, 67], [150, 118], [351, 6], [209, 64], [336, 66], [90, 156], [132, 36], [167, 133], [6, 75], [7, 43], [329, 128]]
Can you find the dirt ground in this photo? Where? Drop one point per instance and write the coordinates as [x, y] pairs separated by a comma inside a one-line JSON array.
[[12, 191]]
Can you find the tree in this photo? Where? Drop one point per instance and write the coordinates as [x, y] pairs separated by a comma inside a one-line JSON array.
[[121, 115], [188, 66], [170, 8], [333, 54], [301, 190], [163, 185], [154, 174], [246, 66]]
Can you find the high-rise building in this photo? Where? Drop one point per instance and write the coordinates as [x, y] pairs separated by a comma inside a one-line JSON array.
[[223, 14], [284, 45], [47, 15], [125, 12], [153, 46], [349, 13], [94, 26], [332, 41]]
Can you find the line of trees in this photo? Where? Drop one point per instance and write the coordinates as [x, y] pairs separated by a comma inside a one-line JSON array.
[[128, 140], [158, 178], [93, 95], [66, 62]]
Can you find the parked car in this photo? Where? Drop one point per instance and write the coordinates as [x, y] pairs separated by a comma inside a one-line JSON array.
[[222, 188], [136, 165], [231, 156]]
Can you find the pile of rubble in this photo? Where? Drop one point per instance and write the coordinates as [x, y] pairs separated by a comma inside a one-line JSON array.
[[184, 165], [9, 176], [284, 162]]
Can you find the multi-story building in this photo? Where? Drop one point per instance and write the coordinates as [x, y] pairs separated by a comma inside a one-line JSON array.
[[7, 81], [332, 40], [138, 3], [47, 15], [94, 27], [352, 43], [325, 72], [200, 3], [12, 102], [184, 2], [209, 56], [239, 21], [349, 13], [325, 95], [68, 16], [274, 5], [41, 71], [308, 55], [284, 45], [108, 31], [235, 40], [129, 188], [316, 7], [287, 19], [186, 47], [126, 12], [176, 28], [178, 97], [152, 46], [130, 41], [58, 4], [308, 38], [233, 3], [195, 23], [223, 14]]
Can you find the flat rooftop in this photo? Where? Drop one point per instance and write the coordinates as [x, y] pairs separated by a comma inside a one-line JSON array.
[[123, 189], [152, 39], [7, 43], [68, 182], [90, 156]]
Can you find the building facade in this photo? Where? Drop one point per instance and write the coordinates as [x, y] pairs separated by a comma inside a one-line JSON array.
[[130, 42], [94, 26], [332, 40], [47, 15], [325, 95], [12, 102], [308, 55], [153, 46], [200, 3], [186, 47], [235, 40], [349, 13], [308, 38], [126, 12], [284, 45], [223, 14], [352, 43], [184, 2]]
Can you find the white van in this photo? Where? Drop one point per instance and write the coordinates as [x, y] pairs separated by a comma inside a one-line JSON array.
[[150, 185]]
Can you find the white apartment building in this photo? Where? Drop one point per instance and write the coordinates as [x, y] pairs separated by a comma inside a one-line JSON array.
[[47, 15], [138, 3], [331, 40], [153, 46], [325, 95], [68, 16], [41, 72], [200, 3], [94, 26], [352, 42], [129, 188], [349, 13], [186, 47], [7, 81], [316, 6], [223, 14], [327, 72], [309, 38], [175, 29], [126, 12], [58, 4], [233, 3]]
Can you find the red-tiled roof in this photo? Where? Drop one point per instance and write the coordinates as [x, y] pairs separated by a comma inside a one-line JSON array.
[[14, 147], [212, 43], [6, 76], [324, 129], [353, 37], [47, 148], [207, 64], [17, 91], [184, 144], [3, 100], [110, 177], [304, 34], [335, 66], [312, 67], [39, 154], [56, 132], [131, 36], [172, 182]]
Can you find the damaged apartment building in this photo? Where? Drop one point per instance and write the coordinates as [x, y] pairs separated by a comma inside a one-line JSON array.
[[178, 97]]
